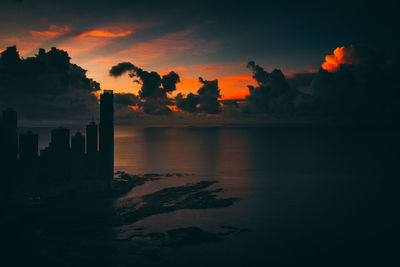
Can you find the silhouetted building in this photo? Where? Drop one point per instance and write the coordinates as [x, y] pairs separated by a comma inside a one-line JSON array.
[[28, 161], [91, 139], [8, 151], [28, 146], [9, 135], [45, 153], [63, 163], [106, 133], [78, 145], [60, 141]]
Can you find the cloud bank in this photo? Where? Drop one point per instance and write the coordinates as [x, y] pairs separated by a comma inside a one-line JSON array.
[[274, 94], [153, 95], [354, 83], [46, 86], [206, 99]]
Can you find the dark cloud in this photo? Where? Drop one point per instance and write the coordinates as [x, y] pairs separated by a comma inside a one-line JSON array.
[[126, 99], [189, 103], [273, 94], [169, 81], [365, 89], [206, 99], [352, 55], [156, 106], [360, 86], [151, 82], [259, 74], [301, 81], [363, 86], [121, 68], [154, 92], [208, 95], [46, 86]]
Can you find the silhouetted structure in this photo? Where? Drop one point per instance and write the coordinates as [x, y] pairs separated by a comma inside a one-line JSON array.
[[60, 141], [45, 153], [91, 139], [106, 133], [63, 164], [10, 138], [28, 160], [28, 146], [78, 145], [8, 151]]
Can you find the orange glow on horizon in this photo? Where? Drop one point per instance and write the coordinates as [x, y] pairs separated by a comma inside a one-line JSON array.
[[232, 87]]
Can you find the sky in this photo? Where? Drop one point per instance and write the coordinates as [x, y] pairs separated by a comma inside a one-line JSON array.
[[209, 39], [196, 38]]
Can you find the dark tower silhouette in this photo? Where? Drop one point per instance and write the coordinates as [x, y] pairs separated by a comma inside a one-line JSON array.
[[78, 145], [106, 133], [58, 159], [9, 151], [77, 156], [91, 139], [9, 135], [60, 141], [28, 160], [28, 146]]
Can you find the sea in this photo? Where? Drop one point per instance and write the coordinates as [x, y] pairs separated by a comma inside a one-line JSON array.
[[282, 195]]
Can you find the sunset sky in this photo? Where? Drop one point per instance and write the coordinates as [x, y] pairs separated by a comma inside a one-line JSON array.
[[195, 38]]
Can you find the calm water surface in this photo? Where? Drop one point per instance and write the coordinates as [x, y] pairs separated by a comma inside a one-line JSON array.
[[220, 196], [304, 196]]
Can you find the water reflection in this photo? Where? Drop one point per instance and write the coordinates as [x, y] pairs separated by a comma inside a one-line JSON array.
[[309, 193], [223, 196]]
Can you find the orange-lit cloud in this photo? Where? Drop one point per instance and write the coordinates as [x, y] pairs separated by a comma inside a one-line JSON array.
[[53, 32], [341, 55], [76, 45], [84, 44], [231, 86], [104, 33], [116, 30], [28, 41]]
